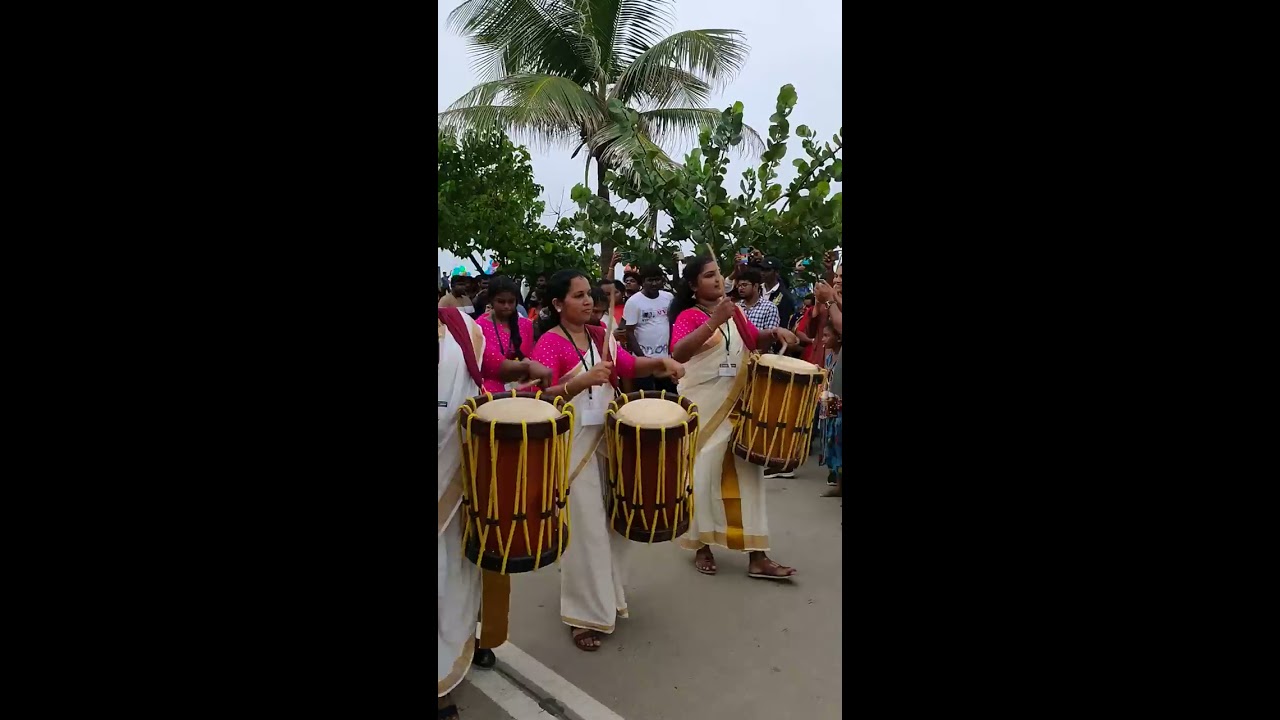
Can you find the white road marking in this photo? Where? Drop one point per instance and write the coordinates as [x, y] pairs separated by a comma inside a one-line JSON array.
[[578, 704], [508, 697]]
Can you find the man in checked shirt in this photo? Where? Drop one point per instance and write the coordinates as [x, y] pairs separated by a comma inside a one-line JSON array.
[[762, 313]]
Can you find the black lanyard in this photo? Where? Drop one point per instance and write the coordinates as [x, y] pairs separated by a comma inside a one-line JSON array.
[[591, 348], [498, 333], [723, 330]]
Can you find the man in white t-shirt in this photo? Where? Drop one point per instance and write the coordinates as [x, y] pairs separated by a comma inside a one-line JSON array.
[[647, 325]]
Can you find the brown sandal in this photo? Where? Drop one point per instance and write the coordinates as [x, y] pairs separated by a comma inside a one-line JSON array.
[[584, 638], [705, 563], [786, 572]]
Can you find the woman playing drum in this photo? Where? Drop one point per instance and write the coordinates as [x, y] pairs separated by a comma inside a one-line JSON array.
[[507, 335], [728, 492], [585, 366], [461, 367]]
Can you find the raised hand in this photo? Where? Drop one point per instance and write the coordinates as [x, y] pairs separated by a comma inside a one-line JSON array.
[[600, 374], [722, 311]]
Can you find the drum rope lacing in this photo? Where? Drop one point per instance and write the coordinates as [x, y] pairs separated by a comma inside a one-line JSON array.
[[557, 452], [760, 417], [684, 471]]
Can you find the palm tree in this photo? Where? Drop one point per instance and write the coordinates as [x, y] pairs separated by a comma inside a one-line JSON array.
[[566, 72]]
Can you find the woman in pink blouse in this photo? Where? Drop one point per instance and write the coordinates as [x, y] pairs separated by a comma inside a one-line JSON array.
[[507, 335], [585, 365], [728, 492]]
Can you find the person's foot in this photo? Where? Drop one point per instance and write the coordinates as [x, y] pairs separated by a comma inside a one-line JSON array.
[[445, 709], [784, 475], [762, 567], [586, 639], [704, 561], [484, 658], [831, 478]]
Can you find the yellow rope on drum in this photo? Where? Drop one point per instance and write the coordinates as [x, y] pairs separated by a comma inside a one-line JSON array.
[[522, 487], [777, 426], [542, 504], [473, 459], [637, 487], [691, 455], [491, 511], [564, 450], [808, 406], [662, 484], [775, 433], [466, 469], [759, 414], [680, 466]]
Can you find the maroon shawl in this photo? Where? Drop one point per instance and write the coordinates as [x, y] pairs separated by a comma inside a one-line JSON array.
[[452, 319]]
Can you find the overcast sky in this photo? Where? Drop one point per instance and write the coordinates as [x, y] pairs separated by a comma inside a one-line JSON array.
[[794, 41]]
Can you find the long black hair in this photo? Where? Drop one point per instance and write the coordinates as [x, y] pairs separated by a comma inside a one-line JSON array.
[[683, 296], [498, 285], [557, 288]]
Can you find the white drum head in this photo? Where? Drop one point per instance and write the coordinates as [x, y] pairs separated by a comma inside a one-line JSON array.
[[789, 364], [517, 410], [652, 413]]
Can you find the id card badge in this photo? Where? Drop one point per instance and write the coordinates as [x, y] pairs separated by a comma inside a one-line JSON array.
[[728, 369], [442, 410]]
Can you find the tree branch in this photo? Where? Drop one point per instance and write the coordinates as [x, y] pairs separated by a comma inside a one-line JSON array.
[[817, 163]]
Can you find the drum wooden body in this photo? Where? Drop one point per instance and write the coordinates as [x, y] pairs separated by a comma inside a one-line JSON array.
[[649, 484], [776, 412], [515, 458]]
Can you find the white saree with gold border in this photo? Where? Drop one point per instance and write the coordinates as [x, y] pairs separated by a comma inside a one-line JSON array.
[[458, 584], [594, 565], [728, 492]]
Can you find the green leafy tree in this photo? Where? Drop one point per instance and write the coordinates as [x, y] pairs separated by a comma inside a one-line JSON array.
[[802, 220], [569, 72], [488, 202], [545, 250]]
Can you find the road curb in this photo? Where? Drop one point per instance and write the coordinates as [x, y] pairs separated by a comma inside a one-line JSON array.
[[540, 694], [554, 694]]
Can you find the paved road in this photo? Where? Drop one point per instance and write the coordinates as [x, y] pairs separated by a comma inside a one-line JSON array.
[[716, 648]]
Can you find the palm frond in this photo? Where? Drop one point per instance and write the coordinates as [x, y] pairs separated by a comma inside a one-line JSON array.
[[714, 56], [522, 36], [521, 125], [549, 99], [667, 87], [641, 24], [668, 125], [620, 149]]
